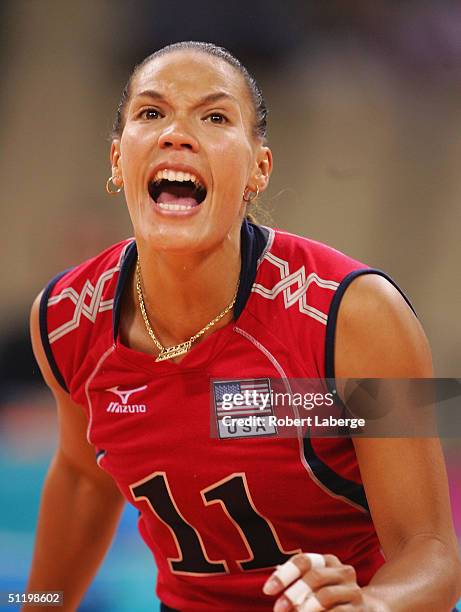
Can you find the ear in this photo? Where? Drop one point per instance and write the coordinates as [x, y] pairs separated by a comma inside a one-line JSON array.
[[115, 162], [264, 165]]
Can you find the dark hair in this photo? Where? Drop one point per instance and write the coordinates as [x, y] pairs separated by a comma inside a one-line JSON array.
[[259, 106]]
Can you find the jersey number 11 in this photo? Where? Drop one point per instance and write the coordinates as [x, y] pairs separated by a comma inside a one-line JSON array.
[[232, 493]]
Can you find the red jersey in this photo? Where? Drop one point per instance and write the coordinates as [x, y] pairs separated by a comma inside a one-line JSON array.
[[218, 513]]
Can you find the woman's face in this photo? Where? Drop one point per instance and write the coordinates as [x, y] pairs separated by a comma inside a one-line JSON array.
[[187, 152]]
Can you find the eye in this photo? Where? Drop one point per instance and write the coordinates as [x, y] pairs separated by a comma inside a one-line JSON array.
[[216, 118], [150, 113]]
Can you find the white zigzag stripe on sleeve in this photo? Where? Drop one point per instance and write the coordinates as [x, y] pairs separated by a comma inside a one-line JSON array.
[[300, 284], [88, 310]]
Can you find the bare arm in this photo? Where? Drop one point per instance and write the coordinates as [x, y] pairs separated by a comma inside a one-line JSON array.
[[405, 479], [80, 504]]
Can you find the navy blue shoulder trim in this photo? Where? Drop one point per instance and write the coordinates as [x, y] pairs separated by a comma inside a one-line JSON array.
[[336, 484], [44, 328], [333, 314], [253, 241], [125, 269]]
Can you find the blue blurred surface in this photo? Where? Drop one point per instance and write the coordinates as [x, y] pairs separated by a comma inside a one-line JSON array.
[[125, 581]]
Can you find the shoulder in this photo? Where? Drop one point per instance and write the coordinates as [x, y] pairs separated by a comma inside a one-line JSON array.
[[99, 268], [86, 285], [78, 295], [378, 334], [296, 289], [69, 312], [316, 256], [370, 327]]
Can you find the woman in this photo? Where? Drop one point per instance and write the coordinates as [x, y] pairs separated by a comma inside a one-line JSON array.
[[143, 336]]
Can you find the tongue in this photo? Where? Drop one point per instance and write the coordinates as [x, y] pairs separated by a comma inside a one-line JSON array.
[[171, 198], [177, 195]]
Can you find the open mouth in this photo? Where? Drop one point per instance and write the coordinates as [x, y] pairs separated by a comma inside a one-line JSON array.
[[176, 191]]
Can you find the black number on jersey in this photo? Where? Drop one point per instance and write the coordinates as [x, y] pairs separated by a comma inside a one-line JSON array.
[[232, 493], [257, 532], [193, 558]]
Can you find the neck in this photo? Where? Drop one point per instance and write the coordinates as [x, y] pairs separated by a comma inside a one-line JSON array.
[[184, 293]]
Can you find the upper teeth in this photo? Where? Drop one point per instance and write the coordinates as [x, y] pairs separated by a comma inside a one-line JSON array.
[[174, 175]]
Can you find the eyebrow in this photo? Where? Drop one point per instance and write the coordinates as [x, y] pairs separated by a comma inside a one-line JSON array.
[[208, 99]]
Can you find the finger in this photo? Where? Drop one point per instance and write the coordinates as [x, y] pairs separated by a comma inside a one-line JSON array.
[[311, 604], [315, 578], [332, 561], [321, 581], [291, 570], [294, 596], [338, 594], [320, 577]]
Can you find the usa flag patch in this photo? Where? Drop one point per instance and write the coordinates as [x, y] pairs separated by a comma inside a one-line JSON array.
[[243, 408]]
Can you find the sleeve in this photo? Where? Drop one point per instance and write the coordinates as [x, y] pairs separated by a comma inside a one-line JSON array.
[[76, 311], [333, 314], [44, 331]]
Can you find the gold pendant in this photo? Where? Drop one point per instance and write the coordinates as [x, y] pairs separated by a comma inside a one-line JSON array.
[[174, 351]]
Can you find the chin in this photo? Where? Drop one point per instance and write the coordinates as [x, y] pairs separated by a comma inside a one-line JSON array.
[[187, 240]]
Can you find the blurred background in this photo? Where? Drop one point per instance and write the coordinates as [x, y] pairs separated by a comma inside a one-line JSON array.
[[365, 126]]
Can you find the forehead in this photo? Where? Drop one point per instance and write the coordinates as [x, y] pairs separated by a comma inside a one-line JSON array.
[[189, 74]]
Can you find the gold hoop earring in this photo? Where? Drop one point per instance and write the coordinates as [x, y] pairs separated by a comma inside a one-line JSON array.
[[109, 182], [250, 195]]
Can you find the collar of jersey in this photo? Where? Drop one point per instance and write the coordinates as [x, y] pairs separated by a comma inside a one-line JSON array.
[[254, 241]]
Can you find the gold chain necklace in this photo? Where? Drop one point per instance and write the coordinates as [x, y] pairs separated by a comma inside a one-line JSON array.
[[182, 348]]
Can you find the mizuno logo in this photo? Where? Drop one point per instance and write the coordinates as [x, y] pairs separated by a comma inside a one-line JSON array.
[[123, 406], [124, 395]]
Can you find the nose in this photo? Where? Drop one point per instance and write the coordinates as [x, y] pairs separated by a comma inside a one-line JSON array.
[[178, 139]]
